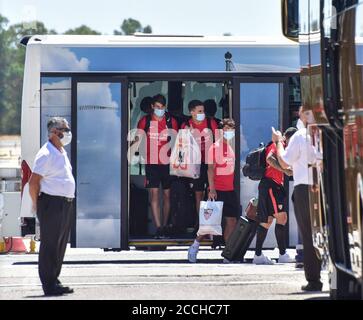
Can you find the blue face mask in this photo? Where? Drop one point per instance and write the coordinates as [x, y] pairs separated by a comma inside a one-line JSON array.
[[228, 135], [159, 112], [200, 116]]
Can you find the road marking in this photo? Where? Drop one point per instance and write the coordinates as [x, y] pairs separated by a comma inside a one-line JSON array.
[[151, 283]]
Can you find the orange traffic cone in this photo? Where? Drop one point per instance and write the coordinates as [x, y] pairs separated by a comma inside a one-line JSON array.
[[15, 244]]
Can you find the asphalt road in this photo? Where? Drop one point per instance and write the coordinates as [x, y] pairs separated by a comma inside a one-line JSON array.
[[157, 275]]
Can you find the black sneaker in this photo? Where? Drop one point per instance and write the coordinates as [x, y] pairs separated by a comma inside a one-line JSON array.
[[313, 286], [158, 233], [167, 232]]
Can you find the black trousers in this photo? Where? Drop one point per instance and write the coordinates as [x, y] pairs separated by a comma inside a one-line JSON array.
[[55, 217], [312, 259]]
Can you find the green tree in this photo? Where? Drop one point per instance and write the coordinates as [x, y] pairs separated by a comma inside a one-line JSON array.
[[148, 29], [14, 71], [82, 30], [130, 26], [17, 31], [4, 59]]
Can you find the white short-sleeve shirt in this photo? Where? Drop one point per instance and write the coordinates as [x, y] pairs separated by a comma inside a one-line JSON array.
[[300, 154], [56, 170]]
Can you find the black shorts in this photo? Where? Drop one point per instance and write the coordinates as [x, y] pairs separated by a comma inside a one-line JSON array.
[[156, 174], [201, 183], [231, 207], [271, 199]]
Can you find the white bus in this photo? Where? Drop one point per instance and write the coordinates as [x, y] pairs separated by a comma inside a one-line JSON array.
[[98, 82]]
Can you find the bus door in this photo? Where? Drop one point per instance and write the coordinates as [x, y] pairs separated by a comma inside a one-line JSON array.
[[99, 148], [259, 104], [178, 92]]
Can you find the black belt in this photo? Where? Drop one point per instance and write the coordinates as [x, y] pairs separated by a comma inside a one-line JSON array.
[[49, 195]]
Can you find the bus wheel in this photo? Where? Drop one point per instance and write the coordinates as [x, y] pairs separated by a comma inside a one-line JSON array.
[[343, 286]]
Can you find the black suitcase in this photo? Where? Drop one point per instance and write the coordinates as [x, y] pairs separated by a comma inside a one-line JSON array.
[[139, 206], [240, 239], [183, 213]]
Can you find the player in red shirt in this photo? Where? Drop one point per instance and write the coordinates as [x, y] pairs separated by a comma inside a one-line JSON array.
[[203, 129], [157, 127], [221, 168], [271, 204]]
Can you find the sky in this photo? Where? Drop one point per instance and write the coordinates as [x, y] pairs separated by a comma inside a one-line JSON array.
[[202, 17]]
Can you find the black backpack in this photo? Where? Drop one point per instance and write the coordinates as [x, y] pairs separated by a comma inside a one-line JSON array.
[[256, 163]]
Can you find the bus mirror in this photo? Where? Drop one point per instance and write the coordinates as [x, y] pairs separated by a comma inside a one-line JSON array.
[[290, 19]]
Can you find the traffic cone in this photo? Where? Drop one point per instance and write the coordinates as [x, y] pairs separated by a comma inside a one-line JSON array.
[[15, 244], [2, 245], [32, 245]]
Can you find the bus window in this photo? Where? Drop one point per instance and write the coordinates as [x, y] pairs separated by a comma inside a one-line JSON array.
[[203, 91], [55, 101], [260, 101]]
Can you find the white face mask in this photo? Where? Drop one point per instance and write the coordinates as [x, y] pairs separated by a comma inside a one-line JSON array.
[[67, 138], [228, 135], [200, 116], [159, 112]]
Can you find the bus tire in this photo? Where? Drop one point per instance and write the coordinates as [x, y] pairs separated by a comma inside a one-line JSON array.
[[343, 286]]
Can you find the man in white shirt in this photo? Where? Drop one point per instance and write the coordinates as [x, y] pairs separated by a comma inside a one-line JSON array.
[[300, 155], [52, 189], [299, 247]]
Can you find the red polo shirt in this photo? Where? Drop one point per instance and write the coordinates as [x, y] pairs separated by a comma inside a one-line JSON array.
[[157, 137], [272, 173], [222, 155]]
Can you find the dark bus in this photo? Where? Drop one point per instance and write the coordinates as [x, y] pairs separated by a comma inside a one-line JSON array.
[[330, 35]]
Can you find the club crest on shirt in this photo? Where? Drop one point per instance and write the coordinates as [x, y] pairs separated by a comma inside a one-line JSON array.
[[207, 213]]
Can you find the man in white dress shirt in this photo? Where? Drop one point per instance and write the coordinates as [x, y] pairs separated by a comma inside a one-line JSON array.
[[52, 189], [300, 156], [299, 247]]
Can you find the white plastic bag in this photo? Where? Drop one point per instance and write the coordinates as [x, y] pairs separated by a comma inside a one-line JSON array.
[[185, 157], [26, 206], [210, 218]]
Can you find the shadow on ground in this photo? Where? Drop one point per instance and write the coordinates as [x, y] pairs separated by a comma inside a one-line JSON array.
[[148, 261]]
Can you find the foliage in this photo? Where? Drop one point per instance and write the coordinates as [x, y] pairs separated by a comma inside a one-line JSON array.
[[4, 62], [82, 30], [12, 56], [130, 26]]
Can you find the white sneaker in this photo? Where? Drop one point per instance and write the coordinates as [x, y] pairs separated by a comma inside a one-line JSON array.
[[192, 253], [285, 258], [262, 259]]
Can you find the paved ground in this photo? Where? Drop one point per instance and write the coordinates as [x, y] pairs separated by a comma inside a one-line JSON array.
[[145, 275]]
